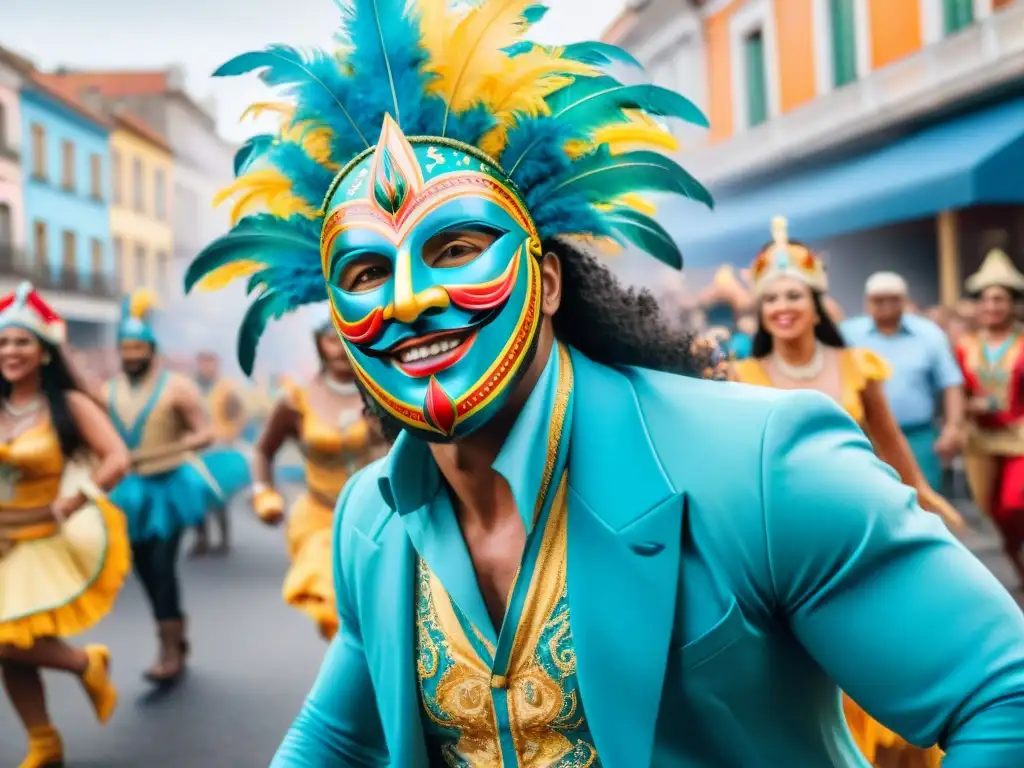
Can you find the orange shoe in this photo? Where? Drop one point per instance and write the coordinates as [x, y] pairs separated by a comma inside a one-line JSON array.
[[96, 681], [45, 749]]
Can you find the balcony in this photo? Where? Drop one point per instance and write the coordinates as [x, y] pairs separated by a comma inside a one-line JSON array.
[[16, 265], [983, 57], [8, 152]]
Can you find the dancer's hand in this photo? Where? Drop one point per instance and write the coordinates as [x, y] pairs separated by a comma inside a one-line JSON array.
[[65, 507], [268, 505], [935, 503]]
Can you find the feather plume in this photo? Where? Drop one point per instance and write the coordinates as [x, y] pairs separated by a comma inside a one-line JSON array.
[[260, 108], [222, 277], [266, 187], [379, 31], [142, 302]]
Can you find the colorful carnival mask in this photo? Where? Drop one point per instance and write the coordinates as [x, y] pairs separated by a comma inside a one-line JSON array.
[[437, 346], [437, 118]]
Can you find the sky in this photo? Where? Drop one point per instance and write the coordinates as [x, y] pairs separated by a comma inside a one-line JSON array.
[[201, 34]]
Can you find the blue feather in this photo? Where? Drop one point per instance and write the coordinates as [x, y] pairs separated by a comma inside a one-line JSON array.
[[254, 147], [599, 54]]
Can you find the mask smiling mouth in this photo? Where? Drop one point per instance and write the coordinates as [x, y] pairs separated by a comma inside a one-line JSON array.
[[427, 355]]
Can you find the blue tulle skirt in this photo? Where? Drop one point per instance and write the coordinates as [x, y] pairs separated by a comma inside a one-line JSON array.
[[252, 431], [229, 469], [158, 506], [289, 473]]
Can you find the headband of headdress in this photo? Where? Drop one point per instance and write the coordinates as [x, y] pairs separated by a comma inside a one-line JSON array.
[[569, 144], [783, 258], [996, 270], [135, 309], [26, 309]]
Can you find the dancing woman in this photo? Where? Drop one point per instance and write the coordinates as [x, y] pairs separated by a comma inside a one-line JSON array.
[[798, 346], [326, 418], [992, 360], [64, 548], [160, 417]]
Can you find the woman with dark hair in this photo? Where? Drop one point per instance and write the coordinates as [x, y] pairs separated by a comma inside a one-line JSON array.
[[798, 346], [572, 554], [325, 417], [64, 550], [992, 360]]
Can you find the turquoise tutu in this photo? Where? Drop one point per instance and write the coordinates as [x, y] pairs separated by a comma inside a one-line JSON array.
[[229, 469], [159, 506], [289, 473], [252, 431]]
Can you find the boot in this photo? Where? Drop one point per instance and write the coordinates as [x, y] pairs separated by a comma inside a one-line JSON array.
[[170, 666], [45, 749], [96, 681]]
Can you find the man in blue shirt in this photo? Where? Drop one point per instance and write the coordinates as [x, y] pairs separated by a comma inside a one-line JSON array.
[[923, 367]]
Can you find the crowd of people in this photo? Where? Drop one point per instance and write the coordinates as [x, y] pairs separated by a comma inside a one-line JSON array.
[[534, 529]]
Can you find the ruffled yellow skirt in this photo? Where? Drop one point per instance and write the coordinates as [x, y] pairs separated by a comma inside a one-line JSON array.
[[67, 582], [881, 746], [309, 583]]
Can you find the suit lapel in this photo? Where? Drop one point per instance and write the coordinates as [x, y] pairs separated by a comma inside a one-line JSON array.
[[625, 524], [388, 624]]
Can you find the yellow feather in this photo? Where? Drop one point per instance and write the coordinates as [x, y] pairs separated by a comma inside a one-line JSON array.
[[141, 302], [637, 130], [223, 276], [266, 187], [638, 203], [436, 22], [261, 107], [314, 139], [472, 50]]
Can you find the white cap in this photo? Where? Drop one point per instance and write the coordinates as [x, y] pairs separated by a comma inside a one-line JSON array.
[[885, 284]]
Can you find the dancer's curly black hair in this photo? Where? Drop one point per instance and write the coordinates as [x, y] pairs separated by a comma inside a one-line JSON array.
[[609, 323]]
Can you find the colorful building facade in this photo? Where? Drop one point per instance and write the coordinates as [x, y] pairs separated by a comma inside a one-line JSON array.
[[141, 179], [12, 219], [887, 131], [65, 174]]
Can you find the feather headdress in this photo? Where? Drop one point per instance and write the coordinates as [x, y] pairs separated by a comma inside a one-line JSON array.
[[577, 144], [25, 308], [135, 310]]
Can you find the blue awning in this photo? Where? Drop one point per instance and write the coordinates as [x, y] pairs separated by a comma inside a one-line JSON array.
[[975, 159]]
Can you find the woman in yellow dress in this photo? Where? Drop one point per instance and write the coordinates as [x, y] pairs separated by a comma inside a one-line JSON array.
[[326, 418], [64, 551], [798, 346]]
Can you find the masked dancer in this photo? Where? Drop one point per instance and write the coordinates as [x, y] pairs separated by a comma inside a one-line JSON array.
[[225, 407], [64, 548], [992, 359], [798, 346], [572, 554], [159, 414], [326, 417]]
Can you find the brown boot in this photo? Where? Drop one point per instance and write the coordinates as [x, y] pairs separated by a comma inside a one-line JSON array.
[[170, 666]]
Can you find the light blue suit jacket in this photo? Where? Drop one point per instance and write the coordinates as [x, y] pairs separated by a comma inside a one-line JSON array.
[[736, 556]]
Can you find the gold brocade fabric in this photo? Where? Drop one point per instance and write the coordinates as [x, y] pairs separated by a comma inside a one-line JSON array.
[[31, 466], [995, 378], [547, 726]]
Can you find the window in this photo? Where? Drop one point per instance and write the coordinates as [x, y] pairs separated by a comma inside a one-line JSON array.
[[40, 243], [119, 264], [757, 81], [69, 259], [95, 177], [117, 191], [844, 41], [67, 158], [141, 277], [138, 202], [6, 226], [160, 195], [96, 248], [38, 152], [957, 14], [163, 265]]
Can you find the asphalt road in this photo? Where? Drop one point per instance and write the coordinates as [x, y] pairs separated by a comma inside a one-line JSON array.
[[253, 661]]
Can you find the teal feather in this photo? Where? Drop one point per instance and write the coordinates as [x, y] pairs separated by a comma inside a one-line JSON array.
[[645, 233], [599, 54], [534, 14], [376, 30], [600, 177], [254, 147], [269, 306]]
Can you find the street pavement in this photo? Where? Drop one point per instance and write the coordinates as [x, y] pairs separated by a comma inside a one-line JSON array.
[[253, 661]]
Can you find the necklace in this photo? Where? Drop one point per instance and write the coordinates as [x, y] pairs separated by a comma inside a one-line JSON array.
[[22, 411], [343, 388], [810, 370]]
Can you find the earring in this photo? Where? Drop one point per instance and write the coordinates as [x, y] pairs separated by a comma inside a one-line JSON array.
[[47, 359]]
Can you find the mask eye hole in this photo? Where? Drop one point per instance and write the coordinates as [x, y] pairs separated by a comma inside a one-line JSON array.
[[365, 273], [457, 247]]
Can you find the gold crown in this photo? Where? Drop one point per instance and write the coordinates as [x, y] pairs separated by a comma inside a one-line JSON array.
[[785, 259]]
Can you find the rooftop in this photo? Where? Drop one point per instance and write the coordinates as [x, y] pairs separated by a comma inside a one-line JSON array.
[[52, 86], [132, 124]]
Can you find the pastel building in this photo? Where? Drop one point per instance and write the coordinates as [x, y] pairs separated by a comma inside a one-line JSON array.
[[889, 132], [12, 219], [65, 172]]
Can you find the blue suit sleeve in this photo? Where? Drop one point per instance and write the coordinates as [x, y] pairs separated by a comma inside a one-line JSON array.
[[339, 725], [900, 614]]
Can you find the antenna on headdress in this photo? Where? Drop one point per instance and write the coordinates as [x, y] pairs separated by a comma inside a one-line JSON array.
[[21, 295], [780, 231]]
